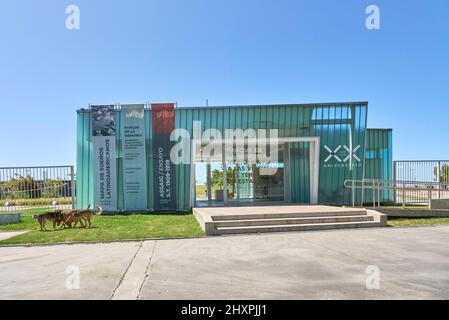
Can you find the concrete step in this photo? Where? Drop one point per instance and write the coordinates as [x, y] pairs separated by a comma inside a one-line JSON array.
[[291, 221], [235, 220], [296, 227], [289, 215]]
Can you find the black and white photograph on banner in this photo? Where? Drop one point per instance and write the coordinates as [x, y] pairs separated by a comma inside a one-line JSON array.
[[103, 123]]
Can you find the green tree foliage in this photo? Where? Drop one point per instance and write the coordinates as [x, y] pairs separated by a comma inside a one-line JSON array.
[[444, 173], [52, 188], [26, 187], [217, 179]]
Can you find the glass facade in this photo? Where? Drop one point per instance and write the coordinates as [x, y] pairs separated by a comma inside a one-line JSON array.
[[247, 182], [379, 161], [340, 130]]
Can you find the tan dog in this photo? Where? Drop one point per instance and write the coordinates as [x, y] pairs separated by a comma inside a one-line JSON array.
[[56, 217], [88, 214], [72, 217], [81, 216]]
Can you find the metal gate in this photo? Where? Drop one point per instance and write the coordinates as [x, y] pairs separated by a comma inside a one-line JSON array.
[[26, 188], [431, 174]]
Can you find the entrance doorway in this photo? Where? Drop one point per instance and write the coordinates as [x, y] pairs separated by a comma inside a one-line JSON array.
[[209, 190], [257, 182], [218, 181]]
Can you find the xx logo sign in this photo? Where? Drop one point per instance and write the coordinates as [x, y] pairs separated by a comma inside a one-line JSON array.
[[337, 153]]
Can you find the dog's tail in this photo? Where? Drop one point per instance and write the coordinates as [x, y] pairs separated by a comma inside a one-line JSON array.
[[35, 216], [99, 211], [88, 207]]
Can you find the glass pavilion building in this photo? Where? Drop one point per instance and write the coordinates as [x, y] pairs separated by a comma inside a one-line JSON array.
[[319, 147]]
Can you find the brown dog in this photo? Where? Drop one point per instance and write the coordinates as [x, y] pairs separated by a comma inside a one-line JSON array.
[[56, 217], [81, 216], [88, 214], [72, 217]]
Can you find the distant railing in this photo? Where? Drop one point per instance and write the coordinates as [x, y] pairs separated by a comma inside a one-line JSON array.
[[403, 190], [23, 188], [435, 172]]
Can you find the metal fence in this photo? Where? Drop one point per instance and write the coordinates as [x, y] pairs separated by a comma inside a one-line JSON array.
[[416, 176], [23, 188], [427, 190]]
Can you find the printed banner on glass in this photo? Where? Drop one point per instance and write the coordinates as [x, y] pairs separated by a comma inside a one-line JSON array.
[[163, 123], [134, 157], [104, 157]]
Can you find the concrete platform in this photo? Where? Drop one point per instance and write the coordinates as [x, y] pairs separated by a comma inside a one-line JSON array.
[[257, 219], [9, 218]]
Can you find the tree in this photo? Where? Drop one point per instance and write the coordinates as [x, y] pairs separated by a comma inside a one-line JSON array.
[[444, 173], [217, 179], [52, 188], [231, 180], [24, 187]]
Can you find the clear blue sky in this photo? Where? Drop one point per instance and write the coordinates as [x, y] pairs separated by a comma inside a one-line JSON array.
[[231, 52]]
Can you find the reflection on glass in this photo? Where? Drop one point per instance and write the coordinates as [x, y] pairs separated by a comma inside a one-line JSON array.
[[250, 181]]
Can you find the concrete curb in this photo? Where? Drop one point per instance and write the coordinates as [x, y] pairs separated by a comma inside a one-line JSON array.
[[95, 242], [214, 237]]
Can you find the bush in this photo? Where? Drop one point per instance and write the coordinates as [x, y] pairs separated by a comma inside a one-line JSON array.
[[36, 202]]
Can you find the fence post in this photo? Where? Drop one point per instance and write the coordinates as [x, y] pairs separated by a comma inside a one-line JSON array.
[[378, 195], [403, 196], [394, 179], [362, 194], [353, 194], [439, 178], [72, 179]]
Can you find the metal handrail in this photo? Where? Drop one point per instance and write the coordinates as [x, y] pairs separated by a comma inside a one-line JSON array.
[[377, 184], [406, 182]]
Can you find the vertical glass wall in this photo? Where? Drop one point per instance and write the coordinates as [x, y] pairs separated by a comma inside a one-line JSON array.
[[379, 161], [300, 172], [342, 131]]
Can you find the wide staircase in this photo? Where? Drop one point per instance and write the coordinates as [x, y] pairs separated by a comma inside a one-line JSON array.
[[258, 219]]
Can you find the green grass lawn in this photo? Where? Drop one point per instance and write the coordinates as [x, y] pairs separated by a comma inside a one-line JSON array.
[[422, 207], [416, 222], [201, 192], [105, 228], [139, 226]]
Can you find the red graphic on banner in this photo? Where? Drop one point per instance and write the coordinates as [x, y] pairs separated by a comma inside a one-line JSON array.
[[163, 117], [163, 123]]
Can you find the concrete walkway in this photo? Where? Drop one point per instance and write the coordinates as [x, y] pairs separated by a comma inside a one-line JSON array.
[[4, 235], [412, 263]]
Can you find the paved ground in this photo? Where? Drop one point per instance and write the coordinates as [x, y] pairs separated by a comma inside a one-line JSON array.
[[413, 264]]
